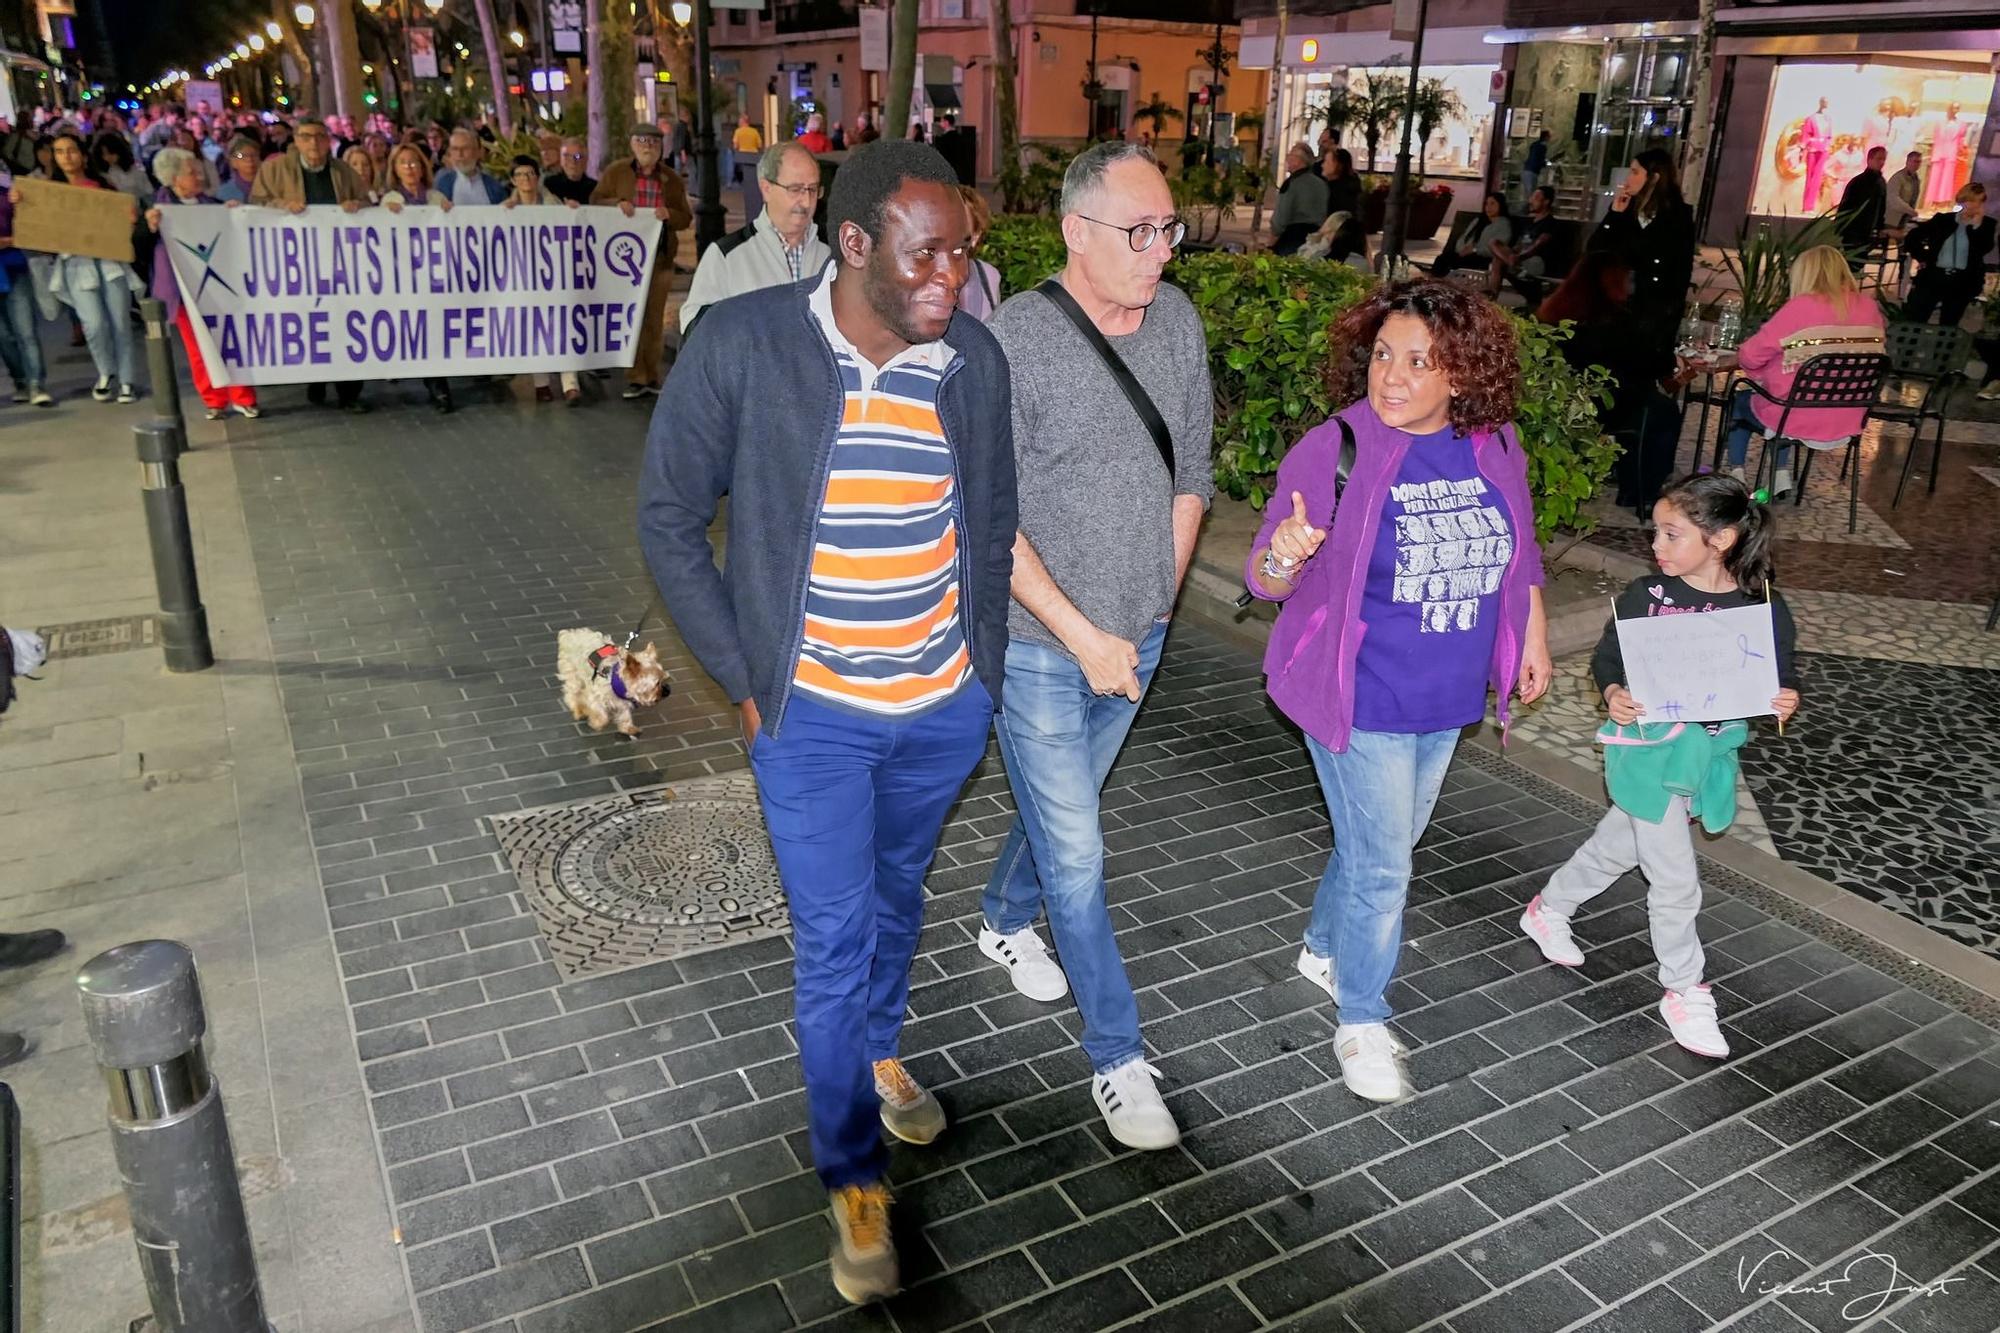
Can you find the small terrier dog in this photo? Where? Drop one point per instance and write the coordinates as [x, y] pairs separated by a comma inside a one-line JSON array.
[[601, 682]]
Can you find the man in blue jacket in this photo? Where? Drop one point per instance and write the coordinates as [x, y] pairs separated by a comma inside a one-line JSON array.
[[860, 620], [463, 180]]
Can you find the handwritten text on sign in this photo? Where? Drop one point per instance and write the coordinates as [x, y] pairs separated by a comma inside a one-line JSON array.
[[73, 220], [1709, 667], [288, 298]]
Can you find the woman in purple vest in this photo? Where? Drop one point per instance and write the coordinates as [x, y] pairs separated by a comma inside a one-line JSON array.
[[1422, 592]]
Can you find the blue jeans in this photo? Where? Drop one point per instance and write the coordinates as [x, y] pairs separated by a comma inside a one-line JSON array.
[[1059, 739], [20, 338], [1743, 423], [106, 314], [1380, 792], [853, 805]]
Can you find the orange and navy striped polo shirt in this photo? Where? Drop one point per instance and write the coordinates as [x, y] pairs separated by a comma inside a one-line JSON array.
[[883, 632]]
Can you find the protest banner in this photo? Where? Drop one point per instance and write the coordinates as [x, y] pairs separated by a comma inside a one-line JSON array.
[[285, 298], [1708, 666], [62, 219]]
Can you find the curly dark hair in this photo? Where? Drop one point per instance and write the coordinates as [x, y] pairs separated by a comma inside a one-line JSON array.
[[1471, 338], [872, 174]]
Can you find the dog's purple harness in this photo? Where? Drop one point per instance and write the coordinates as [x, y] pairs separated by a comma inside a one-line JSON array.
[[604, 662]]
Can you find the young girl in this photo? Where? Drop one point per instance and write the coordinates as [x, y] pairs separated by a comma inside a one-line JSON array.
[[1712, 541]]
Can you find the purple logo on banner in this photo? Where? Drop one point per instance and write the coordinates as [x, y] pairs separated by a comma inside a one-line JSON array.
[[625, 255]]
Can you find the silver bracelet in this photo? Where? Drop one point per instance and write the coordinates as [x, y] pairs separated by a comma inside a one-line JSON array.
[[1277, 569]]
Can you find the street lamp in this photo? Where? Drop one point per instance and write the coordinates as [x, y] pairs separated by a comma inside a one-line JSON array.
[[242, 51], [371, 5], [434, 5], [273, 31], [517, 38], [683, 12], [304, 14], [257, 42]]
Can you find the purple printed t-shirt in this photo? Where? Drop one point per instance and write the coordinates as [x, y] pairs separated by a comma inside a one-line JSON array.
[[1431, 599]]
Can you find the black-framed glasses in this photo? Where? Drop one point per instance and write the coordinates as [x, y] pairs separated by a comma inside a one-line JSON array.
[[1141, 237], [810, 191]]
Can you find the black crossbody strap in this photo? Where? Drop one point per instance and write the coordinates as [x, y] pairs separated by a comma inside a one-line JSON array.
[[1142, 403], [1343, 468]]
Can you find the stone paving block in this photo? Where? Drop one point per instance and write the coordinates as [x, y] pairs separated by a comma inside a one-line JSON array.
[[565, 1224]]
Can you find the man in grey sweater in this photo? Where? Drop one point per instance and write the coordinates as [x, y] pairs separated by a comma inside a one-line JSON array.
[[1106, 533]]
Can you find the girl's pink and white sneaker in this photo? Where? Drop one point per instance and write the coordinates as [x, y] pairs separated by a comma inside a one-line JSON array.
[[1690, 1016], [1550, 934]]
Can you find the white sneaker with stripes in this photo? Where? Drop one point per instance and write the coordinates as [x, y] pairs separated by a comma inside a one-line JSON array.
[[1132, 1107], [1026, 958]]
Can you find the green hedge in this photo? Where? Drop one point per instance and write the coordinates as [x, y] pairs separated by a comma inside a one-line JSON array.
[[1268, 319]]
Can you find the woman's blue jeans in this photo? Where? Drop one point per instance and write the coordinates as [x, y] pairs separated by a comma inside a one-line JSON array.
[[1380, 792], [1743, 423], [106, 313], [20, 339]]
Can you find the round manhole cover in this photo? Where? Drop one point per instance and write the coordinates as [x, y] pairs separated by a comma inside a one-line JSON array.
[[679, 863], [655, 874]]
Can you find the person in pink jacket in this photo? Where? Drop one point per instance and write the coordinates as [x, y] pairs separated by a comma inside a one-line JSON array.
[[1826, 314]]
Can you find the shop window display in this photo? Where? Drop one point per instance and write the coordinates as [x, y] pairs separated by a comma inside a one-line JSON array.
[[1824, 118]]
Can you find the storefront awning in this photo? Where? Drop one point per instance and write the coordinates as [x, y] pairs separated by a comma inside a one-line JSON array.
[[1789, 17], [15, 60], [1591, 32], [942, 96]]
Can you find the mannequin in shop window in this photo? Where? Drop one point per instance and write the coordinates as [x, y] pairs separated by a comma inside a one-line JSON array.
[[1948, 158], [1815, 144]]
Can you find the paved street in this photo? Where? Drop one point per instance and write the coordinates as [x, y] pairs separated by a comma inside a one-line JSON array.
[[622, 1150]]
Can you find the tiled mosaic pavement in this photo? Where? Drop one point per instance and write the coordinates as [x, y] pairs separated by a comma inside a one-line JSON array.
[[626, 1151]]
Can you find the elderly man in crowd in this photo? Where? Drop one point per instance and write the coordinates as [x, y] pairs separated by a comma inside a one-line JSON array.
[[570, 182], [644, 183], [779, 246], [464, 180], [1301, 201], [308, 174]]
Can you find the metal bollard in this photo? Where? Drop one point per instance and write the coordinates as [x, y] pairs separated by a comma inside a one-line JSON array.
[[142, 1009], [160, 363], [183, 620]]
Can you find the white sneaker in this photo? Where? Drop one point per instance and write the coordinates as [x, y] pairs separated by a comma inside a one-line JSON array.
[[127, 394], [39, 397], [1132, 1106], [1781, 482], [214, 413], [1371, 1061], [246, 411], [1738, 473], [101, 390], [1026, 958], [1317, 970], [20, 393], [1550, 934], [1989, 392], [1690, 1016]]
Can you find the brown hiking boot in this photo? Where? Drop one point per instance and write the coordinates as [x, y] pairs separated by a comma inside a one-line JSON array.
[[864, 1253], [909, 1112]]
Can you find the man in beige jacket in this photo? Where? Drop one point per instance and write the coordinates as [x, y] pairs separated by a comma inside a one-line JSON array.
[[307, 174]]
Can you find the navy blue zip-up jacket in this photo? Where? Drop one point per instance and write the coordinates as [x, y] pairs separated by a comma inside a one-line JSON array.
[[750, 410]]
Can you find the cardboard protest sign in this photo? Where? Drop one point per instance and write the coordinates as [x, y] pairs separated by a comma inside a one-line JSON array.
[[285, 298], [1706, 667], [62, 219]]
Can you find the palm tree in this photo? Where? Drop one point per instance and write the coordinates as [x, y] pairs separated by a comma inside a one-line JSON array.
[[1436, 104], [489, 36], [1336, 108], [1001, 21], [902, 70], [1158, 111], [1375, 99]]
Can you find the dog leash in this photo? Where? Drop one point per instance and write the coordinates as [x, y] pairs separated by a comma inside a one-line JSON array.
[[657, 604]]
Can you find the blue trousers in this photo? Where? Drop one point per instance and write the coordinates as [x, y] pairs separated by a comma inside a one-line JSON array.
[[853, 804], [1059, 739], [1380, 791]]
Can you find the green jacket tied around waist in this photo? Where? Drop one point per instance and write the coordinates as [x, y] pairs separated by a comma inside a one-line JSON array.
[[1647, 764]]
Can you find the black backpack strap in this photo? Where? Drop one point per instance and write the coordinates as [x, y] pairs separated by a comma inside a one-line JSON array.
[[1343, 468], [1155, 424]]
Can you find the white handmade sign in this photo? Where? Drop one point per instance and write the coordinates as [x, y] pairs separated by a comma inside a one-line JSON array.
[[1708, 666], [284, 298]]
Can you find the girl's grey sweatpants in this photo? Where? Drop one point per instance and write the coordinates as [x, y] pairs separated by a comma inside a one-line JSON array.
[[1665, 853]]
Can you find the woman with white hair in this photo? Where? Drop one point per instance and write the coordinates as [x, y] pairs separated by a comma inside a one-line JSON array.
[[180, 175]]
